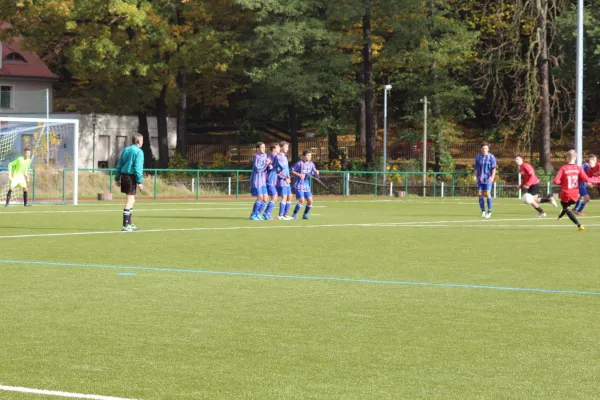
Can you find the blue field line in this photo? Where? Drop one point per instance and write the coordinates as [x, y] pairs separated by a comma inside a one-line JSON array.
[[301, 277]]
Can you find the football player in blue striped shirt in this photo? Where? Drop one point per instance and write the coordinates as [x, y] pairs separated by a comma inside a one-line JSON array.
[[303, 170], [272, 180], [258, 181], [284, 190], [485, 173]]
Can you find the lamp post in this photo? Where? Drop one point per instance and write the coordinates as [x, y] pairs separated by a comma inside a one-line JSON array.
[[385, 94], [579, 101], [94, 120], [424, 146]]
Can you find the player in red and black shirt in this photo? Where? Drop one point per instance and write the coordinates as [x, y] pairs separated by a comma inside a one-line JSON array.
[[531, 183], [569, 177]]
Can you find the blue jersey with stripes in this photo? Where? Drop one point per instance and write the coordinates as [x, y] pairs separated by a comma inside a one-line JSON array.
[[308, 169], [484, 167], [258, 178], [283, 170], [272, 171]]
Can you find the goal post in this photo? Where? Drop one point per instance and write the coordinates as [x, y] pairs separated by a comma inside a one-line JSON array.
[[54, 144]]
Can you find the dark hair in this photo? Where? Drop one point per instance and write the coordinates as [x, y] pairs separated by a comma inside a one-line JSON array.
[[26, 149], [592, 156], [283, 143], [485, 144], [518, 155], [306, 152], [259, 144], [273, 146]]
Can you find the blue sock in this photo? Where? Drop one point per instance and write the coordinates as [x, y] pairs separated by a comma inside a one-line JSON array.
[[582, 206], [307, 209], [297, 208], [263, 205], [270, 208], [577, 205], [287, 208], [282, 206], [256, 207], [481, 204], [489, 201]]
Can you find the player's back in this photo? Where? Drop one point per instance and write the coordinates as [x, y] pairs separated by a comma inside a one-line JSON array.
[[272, 174]]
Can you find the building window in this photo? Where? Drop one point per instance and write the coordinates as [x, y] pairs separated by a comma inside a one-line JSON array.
[[6, 97], [15, 57]]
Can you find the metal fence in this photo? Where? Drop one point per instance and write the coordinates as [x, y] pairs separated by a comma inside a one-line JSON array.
[[202, 184]]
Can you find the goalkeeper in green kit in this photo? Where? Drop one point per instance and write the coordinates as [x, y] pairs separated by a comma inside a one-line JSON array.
[[17, 175]]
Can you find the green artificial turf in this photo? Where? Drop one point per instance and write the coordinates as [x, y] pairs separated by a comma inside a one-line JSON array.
[[368, 300]]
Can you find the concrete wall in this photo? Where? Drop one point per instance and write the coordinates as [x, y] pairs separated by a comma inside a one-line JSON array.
[[29, 96]]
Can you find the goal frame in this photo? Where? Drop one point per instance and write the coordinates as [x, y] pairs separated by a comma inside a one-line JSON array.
[[75, 122]]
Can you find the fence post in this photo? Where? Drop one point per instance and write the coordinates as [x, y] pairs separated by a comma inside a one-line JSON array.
[[155, 183], [494, 189], [453, 182], [442, 189], [391, 188], [110, 179], [406, 184], [229, 186], [348, 184], [434, 184], [237, 184], [547, 190], [33, 194], [64, 183], [376, 181], [520, 185], [197, 184]]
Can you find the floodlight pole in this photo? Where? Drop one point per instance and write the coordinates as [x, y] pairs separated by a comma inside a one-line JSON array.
[[579, 100], [94, 120], [424, 146], [385, 113]]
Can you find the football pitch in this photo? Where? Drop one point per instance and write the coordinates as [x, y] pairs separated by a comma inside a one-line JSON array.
[[370, 299]]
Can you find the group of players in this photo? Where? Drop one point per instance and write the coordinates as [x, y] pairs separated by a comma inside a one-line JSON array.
[[573, 180], [271, 178]]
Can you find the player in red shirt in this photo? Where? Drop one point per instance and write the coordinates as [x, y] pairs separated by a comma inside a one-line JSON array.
[[531, 183], [569, 177]]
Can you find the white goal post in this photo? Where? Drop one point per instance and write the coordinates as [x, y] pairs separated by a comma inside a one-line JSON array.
[[54, 144]]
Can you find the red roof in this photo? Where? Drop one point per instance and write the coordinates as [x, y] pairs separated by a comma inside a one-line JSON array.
[[33, 68]]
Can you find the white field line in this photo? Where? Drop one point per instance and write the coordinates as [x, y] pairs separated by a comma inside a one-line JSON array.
[[136, 210], [58, 393], [470, 223]]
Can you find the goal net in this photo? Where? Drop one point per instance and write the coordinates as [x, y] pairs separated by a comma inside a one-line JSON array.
[[54, 167]]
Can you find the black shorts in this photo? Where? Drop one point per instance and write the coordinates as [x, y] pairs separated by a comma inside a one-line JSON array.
[[567, 205], [129, 184], [534, 190]]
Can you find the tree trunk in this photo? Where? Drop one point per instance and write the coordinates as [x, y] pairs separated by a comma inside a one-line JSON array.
[[368, 75], [161, 124], [182, 84], [147, 145], [544, 80], [361, 128], [293, 129]]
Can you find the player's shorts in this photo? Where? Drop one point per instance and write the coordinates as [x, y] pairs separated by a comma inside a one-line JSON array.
[[258, 191], [271, 190], [534, 190], [129, 184], [583, 189], [566, 204], [486, 187], [303, 195], [18, 181], [284, 190]]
